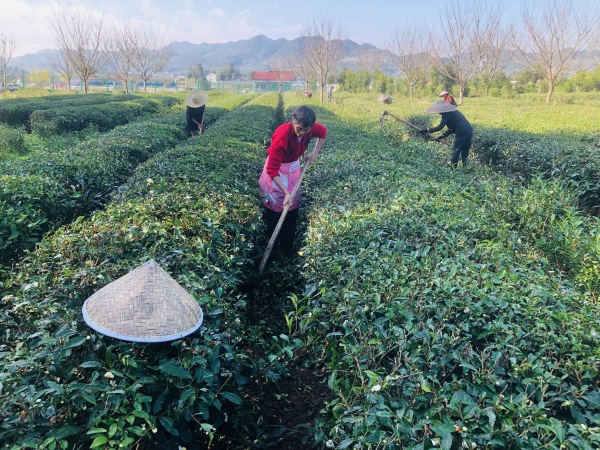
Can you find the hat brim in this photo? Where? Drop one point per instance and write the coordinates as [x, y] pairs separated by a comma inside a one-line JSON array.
[[196, 99], [443, 93], [441, 107]]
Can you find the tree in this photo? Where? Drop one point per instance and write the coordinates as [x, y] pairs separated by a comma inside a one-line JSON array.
[[493, 45], [369, 60], [323, 49], [280, 67], [295, 59], [39, 77], [149, 52], [7, 48], [197, 72], [80, 39], [61, 64], [408, 46], [555, 36], [229, 73], [454, 48], [120, 55]]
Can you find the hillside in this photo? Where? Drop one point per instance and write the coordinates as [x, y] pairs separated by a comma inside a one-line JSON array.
[[246, 55]]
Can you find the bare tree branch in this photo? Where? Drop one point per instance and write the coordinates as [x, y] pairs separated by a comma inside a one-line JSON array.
[[7, 48], [80, 38], [408, 46], [554, 36], [149, 53], [119, 54], [493, 45], [281, 68], [454, 47], [61, 64], [323, 49]]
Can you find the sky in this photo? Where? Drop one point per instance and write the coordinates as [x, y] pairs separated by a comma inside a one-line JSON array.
[[212, 21]]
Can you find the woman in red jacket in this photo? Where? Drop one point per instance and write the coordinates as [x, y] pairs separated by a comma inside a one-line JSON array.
[[282, 170]]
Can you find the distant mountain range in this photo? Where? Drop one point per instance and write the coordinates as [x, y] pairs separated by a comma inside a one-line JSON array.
[[246, 55], [256, 54]]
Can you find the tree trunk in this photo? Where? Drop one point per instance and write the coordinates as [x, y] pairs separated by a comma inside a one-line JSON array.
[[550, 91]]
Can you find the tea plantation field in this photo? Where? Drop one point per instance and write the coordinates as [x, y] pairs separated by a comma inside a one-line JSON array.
[[428, 307]]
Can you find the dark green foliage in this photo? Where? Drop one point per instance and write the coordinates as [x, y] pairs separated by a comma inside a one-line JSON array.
[[12, 141], [83, 178], [451, 308], [17, 112], [68, 386], [577, 162], [75, 118]]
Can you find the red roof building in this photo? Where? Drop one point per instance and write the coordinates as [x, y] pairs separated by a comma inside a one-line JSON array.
[[271, 80]]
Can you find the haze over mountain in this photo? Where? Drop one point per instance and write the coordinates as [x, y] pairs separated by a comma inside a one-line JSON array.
[[246, 55], [257, 53]]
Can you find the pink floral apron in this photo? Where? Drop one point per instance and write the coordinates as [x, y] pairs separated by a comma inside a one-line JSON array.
[[271, 196]]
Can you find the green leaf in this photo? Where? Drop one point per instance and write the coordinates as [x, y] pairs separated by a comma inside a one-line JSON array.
[[90, 364], [167, 423], [55, 387], [100, 440], [175, 370], [233, 398], [75, 342]]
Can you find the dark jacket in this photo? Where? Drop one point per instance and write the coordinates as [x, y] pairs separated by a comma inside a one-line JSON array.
[[456, 123], [193, 113]]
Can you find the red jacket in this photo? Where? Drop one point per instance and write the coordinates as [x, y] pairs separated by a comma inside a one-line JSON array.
[[285, 147]]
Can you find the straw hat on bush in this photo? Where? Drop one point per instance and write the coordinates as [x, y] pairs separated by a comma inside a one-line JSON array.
[[146, 305], [384, 98], [441, 107], [196, 99]]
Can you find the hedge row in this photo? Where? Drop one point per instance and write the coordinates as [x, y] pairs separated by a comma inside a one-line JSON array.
[[444, 304], [65, 386], [47, 190], [560, 157], [104, 116], [17, 112]]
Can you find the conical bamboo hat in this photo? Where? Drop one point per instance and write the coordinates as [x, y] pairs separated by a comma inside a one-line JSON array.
[[441, 107], [146, 305]]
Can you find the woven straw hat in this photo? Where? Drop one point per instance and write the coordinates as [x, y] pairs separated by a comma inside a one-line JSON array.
[[384, 98], [196, 99], [146, 305], [441, 107], [443, 93]]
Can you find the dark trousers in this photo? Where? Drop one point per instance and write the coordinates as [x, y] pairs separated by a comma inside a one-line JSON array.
[[285, 238], [461, 147]]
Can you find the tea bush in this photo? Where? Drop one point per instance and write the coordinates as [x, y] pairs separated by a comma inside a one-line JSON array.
[[82, 177], [441, 308], [105, 116], [557, 157], [68, 386], [17, 111], [12, 141], [444, 303]]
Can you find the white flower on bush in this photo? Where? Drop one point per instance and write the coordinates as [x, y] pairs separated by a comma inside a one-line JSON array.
[[376, 388], [109, 375], [149, 181], [329, 444]]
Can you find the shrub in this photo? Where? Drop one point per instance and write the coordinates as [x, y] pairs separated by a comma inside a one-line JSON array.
[[12, 141]]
